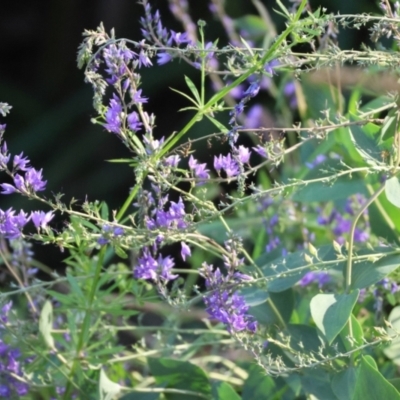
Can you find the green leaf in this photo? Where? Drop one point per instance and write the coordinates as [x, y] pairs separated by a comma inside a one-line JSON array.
[[193, 89], [343, 384], [104, 210], [393, 350], [365, 146], [317, 382], [46, 324], [304, 338], [223, 391], [357, 334], [218, 124], [179, 375], [369, 272], [285, 271], [342, 188], [120, 252], [258, 385], [331, 312], [389, 126], [392, 190], [141, 396], [107, 388], [265, 314], [371, 384]]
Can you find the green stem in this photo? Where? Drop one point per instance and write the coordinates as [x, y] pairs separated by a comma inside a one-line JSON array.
[[84, 334], [349, 265], [219, 96]]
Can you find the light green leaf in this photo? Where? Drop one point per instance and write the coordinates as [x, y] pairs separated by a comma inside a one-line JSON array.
[[107, 388], [393, 350], [193, 89], [331, 312], [371, 384], [392, 190], [46, 324]]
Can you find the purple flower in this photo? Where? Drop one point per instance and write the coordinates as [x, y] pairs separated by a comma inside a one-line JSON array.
[[172, 161], [261, 151], [21, 163], [134, 121], [11, 225], [254, 117], [179, 38], [150, 268], [253, 89], [199, 170], [144, 59], [320, 277], [10, 363], [40, 219], [224, 305], [318, 160], [185, 252], [228, 164], [137, 97], [34, 180], [163, 58], [7, 188], [113, 116], [243, 154]]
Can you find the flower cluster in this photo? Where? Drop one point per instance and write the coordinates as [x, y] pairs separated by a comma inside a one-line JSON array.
[[108, 233], [222, 300], [341, 222], [11, 365], [161, 217], [225, 304], [27, 181], [154, 32]]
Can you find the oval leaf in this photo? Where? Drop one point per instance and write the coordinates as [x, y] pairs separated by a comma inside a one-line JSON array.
[[331, 312], [392, 190], [371, 384]]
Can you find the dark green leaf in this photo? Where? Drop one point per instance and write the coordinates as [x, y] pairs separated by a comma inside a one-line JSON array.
[[370, 384], [179, 375], [317, 382], [342, 188], [331, 312], [258, 385], [283, 302], [366, 273], [304, 338], [365, 146], [223, 391], [343, 384], [357, 334]]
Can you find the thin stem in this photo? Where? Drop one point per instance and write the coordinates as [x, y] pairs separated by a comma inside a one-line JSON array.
[[20, 283], [351, 240]]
